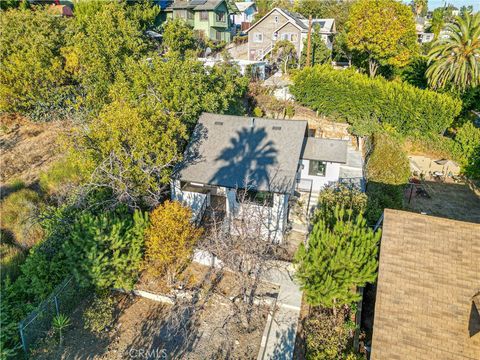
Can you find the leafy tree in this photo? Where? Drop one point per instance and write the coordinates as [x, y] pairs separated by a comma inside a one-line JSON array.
[[131, 150], [420, 7], [466, 10], [33, 80], [102, 36], [178, 36], [105, 250], [338, 259], [319, 52], [340, 195], [391, 42], [325, 9], [169, 240], [438, 21], [284, 53], [414, 73], [455, 60]]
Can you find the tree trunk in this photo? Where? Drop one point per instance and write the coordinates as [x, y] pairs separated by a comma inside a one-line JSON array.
[[372, 67]]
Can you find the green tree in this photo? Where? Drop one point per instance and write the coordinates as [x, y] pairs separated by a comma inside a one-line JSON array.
[[102, 36], [179, 36], [437, 22], [420, 7], [325, 9], [384, 42], [467, 144], [319, 52], [338, 259], [455, 60], [105, 250], [33, 80], [284, 54]]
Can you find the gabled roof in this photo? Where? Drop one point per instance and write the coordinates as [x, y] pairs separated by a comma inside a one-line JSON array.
[[429, 275], [294, 18], [244, 5], [244, 152], [196, 5], [325, 150]]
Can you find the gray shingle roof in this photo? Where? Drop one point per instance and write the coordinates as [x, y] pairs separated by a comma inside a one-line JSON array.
[[325, 150], [227, 150]]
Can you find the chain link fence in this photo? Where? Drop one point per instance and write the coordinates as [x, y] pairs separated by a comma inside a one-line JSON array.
[[63, 300]]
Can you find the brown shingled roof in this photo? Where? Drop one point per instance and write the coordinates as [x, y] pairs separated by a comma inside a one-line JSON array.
[[429, 275]]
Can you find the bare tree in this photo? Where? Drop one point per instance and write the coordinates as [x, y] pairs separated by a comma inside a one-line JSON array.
[[244, 245]]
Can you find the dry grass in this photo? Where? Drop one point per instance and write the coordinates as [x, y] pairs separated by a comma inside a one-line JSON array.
[[27, 148]]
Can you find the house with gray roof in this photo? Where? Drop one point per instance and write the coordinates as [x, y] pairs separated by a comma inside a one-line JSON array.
[[280, 24], [262, 161]]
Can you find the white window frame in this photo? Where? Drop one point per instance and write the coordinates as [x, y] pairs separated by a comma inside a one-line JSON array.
[[257, 37]]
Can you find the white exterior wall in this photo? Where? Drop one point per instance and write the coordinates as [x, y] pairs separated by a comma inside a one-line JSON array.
[[332, 174], [193, 200]]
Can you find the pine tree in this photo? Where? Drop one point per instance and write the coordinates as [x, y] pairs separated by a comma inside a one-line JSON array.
[[337, 260]]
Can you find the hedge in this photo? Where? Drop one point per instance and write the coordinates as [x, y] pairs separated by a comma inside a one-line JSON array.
[[365, 102]]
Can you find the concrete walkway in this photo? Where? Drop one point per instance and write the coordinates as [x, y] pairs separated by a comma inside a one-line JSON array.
[[279, 341]]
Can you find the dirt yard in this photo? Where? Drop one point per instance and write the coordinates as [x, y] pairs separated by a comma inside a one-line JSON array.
[[450, 200], [207, 330]]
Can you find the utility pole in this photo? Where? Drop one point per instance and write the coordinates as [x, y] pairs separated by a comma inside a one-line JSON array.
[[309, 41]]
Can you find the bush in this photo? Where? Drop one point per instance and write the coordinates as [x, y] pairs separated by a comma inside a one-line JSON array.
[[365, 102], [19, 218], [169, 240], [327, 335], [99, 315], [388, 163], [340, 195], [467, 145], [60, 178], [381, 196]]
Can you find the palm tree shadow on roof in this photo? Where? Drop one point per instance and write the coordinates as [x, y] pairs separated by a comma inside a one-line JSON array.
[[249, 156]]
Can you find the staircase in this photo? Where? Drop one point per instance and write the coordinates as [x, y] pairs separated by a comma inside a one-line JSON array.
[[265, 52]]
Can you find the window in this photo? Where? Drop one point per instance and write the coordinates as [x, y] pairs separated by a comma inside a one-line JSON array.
[[189, 15], [285, 36], [204, 15], [218, 36], [317, 168], [221, 17], [258, 37], [262, 198], [182, 14]]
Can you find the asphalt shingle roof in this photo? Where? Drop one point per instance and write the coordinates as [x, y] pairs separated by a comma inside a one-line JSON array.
[[429, 275], [227, 150], [325, 150]]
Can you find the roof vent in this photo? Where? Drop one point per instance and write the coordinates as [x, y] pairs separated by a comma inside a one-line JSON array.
[[252, 122], [276, 128], [218, 122]]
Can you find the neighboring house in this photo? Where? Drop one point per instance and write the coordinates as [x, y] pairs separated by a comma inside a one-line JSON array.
[[267, 159], [253, 69], [428, 292], [210, 19], [420, 26], [424, 37], [247, 10], [280, 24]]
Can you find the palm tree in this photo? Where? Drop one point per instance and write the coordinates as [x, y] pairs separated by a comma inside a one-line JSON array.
[[455, 59]]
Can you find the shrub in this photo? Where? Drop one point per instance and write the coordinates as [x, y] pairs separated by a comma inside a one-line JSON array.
[[327, 335], [60, 178], [257, 112], [359, 100], [99, 315], [169, 240], [381, 196], [340, 195], [467, 145], [388, 163], [19, 217]]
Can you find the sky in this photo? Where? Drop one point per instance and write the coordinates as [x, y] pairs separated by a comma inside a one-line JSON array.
[[432, 4]]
